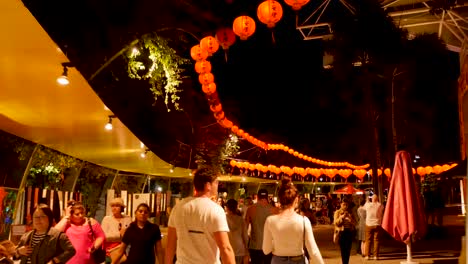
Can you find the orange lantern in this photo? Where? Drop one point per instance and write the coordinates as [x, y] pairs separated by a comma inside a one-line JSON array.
[[244, 27], [387, 172], [202, 66], [216, 108], [198, 53], [269, 13], [209, 88], [421, 171], [206, 78], [234, 129], [233, 163], [225, 37], [225, 123], [219, 115], [209, 44], [296, 4], [428, 169]]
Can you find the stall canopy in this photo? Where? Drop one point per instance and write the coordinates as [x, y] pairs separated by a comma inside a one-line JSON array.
[[69, 119], [348, 189]]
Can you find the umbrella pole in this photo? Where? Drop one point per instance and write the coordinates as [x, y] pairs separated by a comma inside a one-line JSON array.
[[409, 257]]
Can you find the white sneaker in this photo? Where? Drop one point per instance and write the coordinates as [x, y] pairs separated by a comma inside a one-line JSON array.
[[366, 257], [375, 258]]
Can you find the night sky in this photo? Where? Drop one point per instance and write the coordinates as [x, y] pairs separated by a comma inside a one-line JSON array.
[[273, 85]]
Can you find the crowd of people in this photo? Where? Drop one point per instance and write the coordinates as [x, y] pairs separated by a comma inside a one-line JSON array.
[[256, 231]]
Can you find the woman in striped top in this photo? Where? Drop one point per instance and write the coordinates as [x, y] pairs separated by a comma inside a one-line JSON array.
[[44, 244], [345, 222]]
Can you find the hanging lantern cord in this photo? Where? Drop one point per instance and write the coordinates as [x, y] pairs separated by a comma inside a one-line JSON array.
[[272, 36]]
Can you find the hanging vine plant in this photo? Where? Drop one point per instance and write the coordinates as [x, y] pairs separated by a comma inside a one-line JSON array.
[[156, 62]]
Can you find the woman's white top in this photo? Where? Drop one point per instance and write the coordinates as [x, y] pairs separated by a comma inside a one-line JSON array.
[[284, 236], [110, 226]]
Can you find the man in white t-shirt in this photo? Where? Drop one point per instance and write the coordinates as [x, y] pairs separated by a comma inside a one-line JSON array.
[[197, 229], [374, 214]]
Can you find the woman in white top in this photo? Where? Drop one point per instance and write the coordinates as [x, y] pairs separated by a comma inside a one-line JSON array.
[[114, 227], [286, 233]]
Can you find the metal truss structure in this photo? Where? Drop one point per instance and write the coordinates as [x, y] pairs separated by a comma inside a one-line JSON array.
[[447, 18]]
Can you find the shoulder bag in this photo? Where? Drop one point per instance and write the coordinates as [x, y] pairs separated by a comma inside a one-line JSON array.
[[306, 253], [336, 236], [99, 254]]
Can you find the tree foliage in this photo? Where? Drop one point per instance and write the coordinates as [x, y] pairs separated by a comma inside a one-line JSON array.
[[156, 62]]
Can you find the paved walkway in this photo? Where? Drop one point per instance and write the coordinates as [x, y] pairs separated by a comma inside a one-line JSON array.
[[441, 245]]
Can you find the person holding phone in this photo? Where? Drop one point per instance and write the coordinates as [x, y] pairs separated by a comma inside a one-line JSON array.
[[345, 221], [114, 227]]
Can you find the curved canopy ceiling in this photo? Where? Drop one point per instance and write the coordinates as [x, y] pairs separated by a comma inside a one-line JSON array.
[[70, 118]]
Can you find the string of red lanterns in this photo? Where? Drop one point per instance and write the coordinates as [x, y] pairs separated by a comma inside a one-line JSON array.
[[345, 173], [206, 78], [269, 12]]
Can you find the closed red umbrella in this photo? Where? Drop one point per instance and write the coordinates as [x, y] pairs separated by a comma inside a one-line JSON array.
[[404, 214]]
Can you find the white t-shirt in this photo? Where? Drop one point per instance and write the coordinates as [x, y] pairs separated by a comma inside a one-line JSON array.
[[110, 226], [374, 213], [284, 236], [195, 220]]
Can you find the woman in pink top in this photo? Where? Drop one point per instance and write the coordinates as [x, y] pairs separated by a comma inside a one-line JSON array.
[[76, 226]]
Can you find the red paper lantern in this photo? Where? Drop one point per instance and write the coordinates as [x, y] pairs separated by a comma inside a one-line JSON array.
[[202, 66], [219, 115], [225, 37], [206, 78], [225, 123], [244, 27], [210, 44], [269, 13], [198, 53], [216, 108], [296, 4], [209, 88]]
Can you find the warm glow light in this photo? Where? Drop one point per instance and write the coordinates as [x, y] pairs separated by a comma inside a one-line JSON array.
[[171, 170], [63, 80], [143, 155], [142, 145], [135, 52], [108, 126]]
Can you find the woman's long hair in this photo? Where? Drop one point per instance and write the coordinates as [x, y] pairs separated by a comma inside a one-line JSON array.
[[287, 192]]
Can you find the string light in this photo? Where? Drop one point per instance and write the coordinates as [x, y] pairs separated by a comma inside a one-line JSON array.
[[109, 125], [63, 79]]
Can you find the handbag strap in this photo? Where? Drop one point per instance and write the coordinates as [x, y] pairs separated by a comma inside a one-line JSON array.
[[91, 229], [303, 233]]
